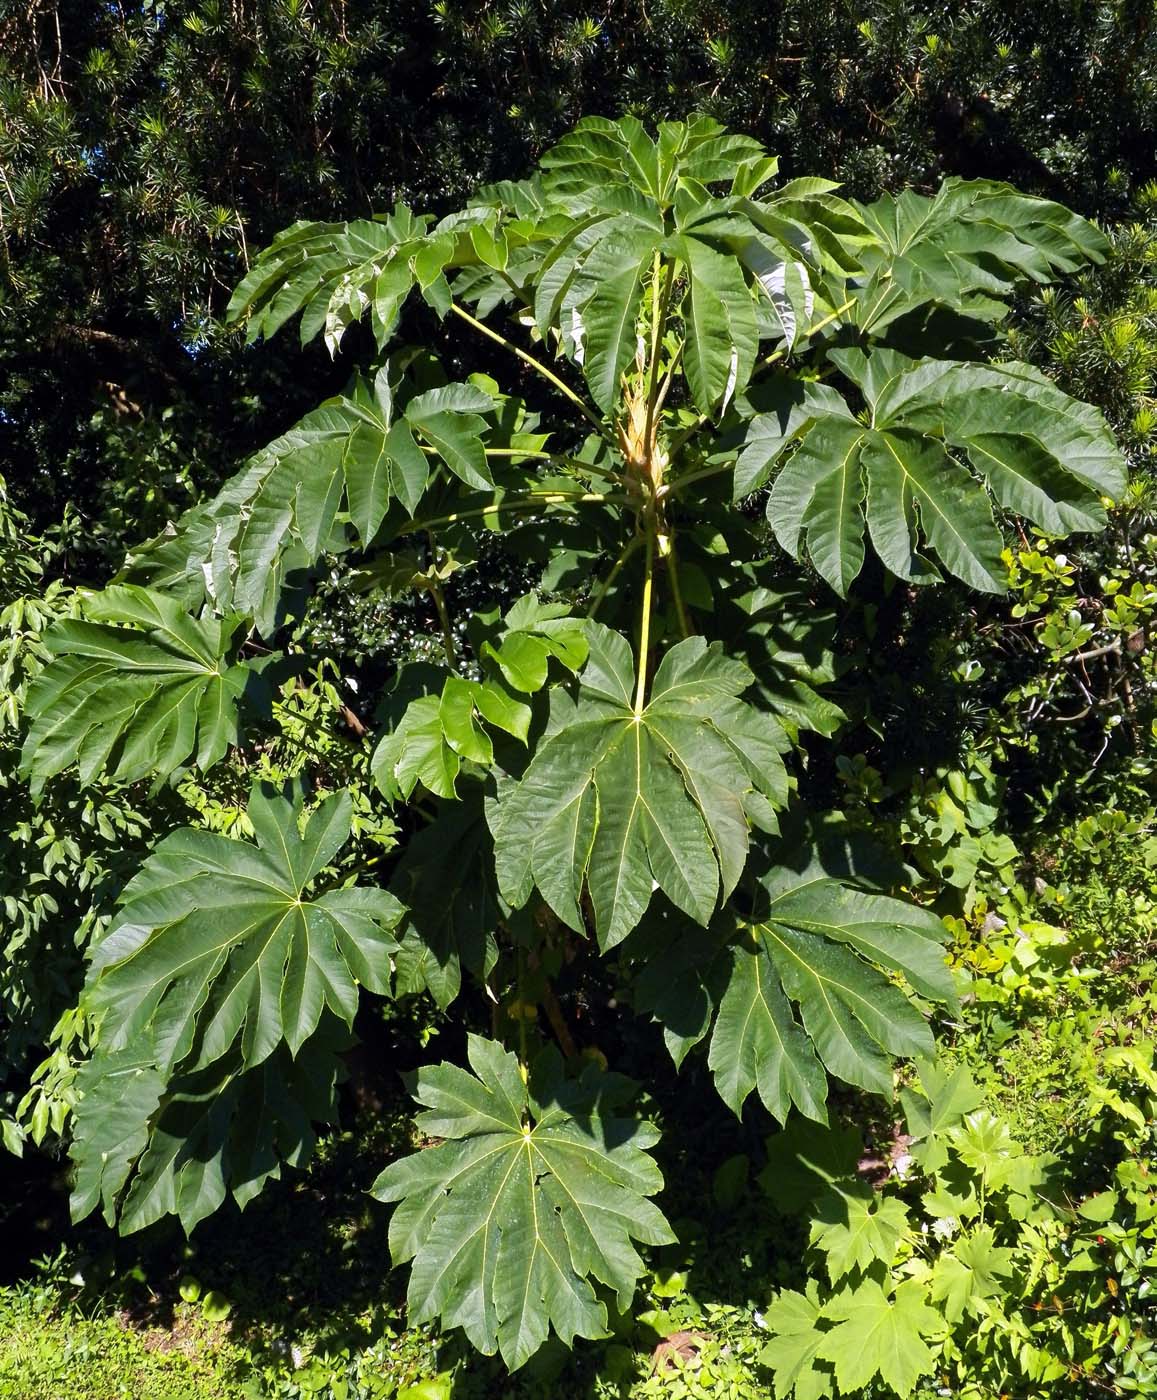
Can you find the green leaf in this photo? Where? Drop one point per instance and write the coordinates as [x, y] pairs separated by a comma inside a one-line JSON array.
[[449, 420], [533, 1191], [118, 1094], [966, 248], [436, 733], [1043, 454], [417, 751], [215, 1307], [606, 303], [218, 943], [445, 880], [945, 1097], [139, 687], [966, 403], [890, 932], [794, 1319], [680, 973], [331, 272], [621, 802], [786, 408], [910, 475], [282, 511], [758, 1044], [1030, 481], [985, 1143], [822, 490], [721, 337], [818, 942], [145, 1146], [439, 1388], [878, 1335], [804, 1158], [853, 1227], [969, 1273], [533, 633], [1099, 1208]]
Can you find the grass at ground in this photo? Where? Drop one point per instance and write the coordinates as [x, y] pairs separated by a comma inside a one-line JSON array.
[[50, 1350]]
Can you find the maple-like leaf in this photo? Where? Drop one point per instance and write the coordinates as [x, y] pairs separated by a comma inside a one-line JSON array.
[[854, 1227], [880, 1335], [219, 941]]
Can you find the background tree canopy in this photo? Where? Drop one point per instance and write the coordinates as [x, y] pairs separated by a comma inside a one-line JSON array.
[[148, 149]]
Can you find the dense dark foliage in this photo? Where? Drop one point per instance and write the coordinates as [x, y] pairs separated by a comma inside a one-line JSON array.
[[148, 148]]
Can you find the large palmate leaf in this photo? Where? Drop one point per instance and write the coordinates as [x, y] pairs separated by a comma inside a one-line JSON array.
[[331, 273], [145, 1146], [898, 479], [801, 988], [535, 1190], [218, 943], [620, 802], [136, 687], [965, 248], [354, 451]]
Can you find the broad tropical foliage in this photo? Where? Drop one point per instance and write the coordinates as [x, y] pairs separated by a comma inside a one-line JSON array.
[[717, 378]]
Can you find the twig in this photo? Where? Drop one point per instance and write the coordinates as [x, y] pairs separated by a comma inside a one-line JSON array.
[[558, 1025], [533, 501], [537, 365]]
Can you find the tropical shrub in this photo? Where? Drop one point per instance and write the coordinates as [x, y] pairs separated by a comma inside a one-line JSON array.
[[721, 384]]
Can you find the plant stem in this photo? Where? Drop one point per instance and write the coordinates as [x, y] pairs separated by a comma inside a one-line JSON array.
[[537, 365], [444, 618], [660, 302], [520, 977], [616, 568], [700, 475], [562, 1032], [645, 626], [783, 351], [676, 591], [533, 501], [562, 457], [439, 597]]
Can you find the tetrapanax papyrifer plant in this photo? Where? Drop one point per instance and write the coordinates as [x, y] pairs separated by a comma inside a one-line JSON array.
[[604, 767]]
